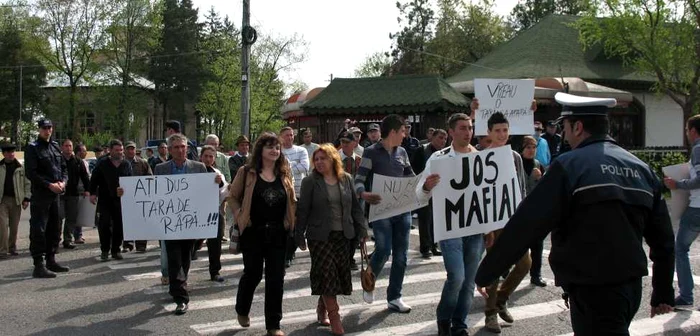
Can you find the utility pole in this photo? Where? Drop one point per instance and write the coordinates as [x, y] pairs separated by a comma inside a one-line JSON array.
[[19, 120], [249, 35]]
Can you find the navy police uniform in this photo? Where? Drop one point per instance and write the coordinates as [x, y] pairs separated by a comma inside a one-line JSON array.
[[599, 202], [44, 165]]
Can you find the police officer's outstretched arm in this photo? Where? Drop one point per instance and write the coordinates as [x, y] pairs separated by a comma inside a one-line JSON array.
[[658, 234], [538, 214]]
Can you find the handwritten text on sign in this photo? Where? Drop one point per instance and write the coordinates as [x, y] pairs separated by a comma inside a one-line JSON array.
[[169, 207], [477, 193], [398, 196], [512, 97]]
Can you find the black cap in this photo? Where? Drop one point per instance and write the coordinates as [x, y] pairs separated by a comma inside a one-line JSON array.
[[552, 123], [8, 147], [347, 136], [43, 122], [174, 124]]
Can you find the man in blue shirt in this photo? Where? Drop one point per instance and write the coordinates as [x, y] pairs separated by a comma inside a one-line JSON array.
[[387, 158], [543, 155]]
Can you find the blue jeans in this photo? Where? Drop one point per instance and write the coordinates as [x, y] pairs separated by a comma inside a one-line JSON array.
[[163, 259], [688, 230], [391, 236], [461, 257]]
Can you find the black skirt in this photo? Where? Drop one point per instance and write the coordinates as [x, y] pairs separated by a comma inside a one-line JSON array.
[[330, 265]]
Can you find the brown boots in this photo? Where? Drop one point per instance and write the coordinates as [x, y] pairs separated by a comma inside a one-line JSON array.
[[331, 304], [321, 313]]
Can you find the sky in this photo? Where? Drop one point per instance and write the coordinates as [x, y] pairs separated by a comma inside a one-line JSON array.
[[340, 33]]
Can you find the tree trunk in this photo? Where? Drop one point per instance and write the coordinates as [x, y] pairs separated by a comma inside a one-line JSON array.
[[73, 122], [687, 113], [121, 113]]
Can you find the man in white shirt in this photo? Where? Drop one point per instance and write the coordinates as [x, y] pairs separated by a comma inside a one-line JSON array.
[[298, 159], [357, 133]]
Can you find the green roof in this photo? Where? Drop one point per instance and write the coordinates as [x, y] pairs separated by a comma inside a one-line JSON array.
[[407, 94], [550, 48]]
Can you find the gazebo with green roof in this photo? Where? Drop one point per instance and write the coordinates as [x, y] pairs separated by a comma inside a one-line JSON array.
[[422, 99]]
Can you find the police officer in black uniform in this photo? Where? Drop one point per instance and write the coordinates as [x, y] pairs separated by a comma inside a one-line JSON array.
[[599, 202], [46, 169]]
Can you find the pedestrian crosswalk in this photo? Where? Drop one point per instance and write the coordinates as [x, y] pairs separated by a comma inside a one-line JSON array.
[[537, 311]]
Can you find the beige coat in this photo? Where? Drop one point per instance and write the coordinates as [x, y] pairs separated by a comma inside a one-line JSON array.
[[23, 188], [240, 196]]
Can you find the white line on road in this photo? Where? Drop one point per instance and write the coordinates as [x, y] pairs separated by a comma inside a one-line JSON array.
[[684, 320]]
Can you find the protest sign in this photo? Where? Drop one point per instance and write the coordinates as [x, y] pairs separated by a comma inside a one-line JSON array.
[[679, 198], [86, 212], [169, 207], [512, 97], [477, 193], [398, 196]]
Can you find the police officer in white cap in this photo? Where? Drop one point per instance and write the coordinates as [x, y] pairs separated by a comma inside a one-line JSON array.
[[599, 202]]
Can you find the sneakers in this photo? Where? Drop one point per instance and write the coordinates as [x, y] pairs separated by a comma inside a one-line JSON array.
[[368, 296], [399, 306], [492, 324], [181, 308], [680, 303], [504, 313]]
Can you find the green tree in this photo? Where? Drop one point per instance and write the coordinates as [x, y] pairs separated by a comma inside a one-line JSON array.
[[177, 65], [655, 39], [76, 32], [375, 65], [526, 13], [464, 34], [131, 32], [408, 45], [20, 70]]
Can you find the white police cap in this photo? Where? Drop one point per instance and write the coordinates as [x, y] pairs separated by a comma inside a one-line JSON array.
[[573, 105]]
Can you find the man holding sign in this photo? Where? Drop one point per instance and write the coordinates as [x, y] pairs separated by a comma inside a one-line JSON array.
[[598, 201], [179, 251], [461, 255], [388, 158]]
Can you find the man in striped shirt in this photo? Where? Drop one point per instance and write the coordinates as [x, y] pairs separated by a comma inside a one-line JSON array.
[[387, 158], [298, 159]]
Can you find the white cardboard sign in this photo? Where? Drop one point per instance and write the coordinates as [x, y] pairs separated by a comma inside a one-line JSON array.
[[477, 193], [170, 207], [679, 198], [512, 97], [398, 196]]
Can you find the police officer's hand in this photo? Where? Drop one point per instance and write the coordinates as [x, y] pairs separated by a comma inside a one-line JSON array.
[[536, 174], [25, 204], [661, 309], [93, 199], [670, 183], [120, 191], [431, 181], [371, 198], [55, 188]]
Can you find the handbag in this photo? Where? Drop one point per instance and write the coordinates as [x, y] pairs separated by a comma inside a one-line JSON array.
[[366, 276], [234, 245]]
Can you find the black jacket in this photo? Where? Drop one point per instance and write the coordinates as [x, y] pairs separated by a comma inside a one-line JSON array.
[[599, 202], [44, 164], [77, 170], [105, 179]]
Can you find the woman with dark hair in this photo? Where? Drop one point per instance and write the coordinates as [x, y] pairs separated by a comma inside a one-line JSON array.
[[533, 170], [331, 219], [263, 202]]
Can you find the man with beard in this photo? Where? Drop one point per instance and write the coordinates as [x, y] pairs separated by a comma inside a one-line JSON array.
[[104, 184]]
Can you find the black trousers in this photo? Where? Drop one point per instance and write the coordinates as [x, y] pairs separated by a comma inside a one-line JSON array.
[[110, 227], [425, 228], [44, 228], [604, 310], [536, 255], [214, 250], [263, 248], [179, 259]]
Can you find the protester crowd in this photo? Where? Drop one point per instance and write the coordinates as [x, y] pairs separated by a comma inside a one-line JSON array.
[[278, 197]]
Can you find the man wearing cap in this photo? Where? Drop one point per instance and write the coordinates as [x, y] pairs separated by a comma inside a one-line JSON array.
[[238, 160], [15, 193], [373, 135], [598, 201], [357, 133], [173, 127], [47, 171], [553, 139], [410, 143], [221, 161], [77, 172], [139, 167]]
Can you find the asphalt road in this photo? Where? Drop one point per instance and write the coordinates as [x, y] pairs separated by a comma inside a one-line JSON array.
[[125, 298]]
